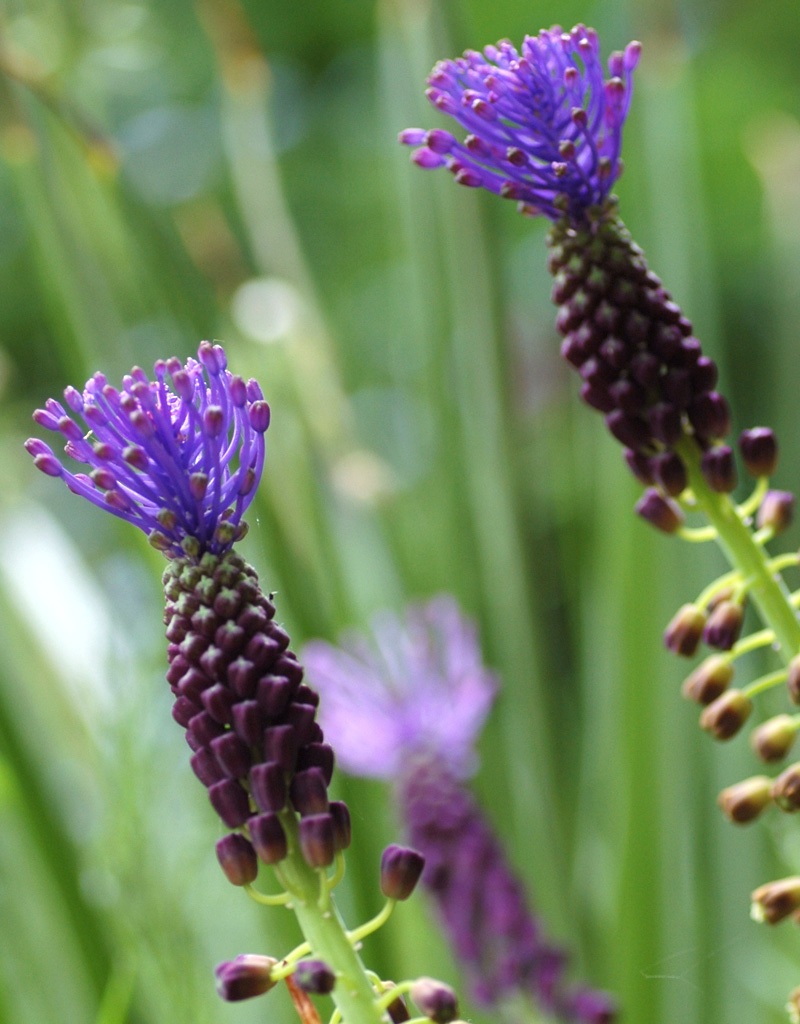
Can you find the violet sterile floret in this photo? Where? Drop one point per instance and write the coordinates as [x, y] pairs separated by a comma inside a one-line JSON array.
[[420, 685], [545, 125], [179, 456]]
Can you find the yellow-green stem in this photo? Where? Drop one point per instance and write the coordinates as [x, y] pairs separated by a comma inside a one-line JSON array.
[[745, 553], [326, 934]]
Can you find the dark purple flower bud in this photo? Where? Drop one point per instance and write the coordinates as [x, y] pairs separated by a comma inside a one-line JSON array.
[[301, 718], [670, 472], [640, 465], [683, 634], [268, 786], [206, 767], [204, 729], [233, 755], [237, 859], [629, 430], [724, 625], [315, 977], [401, 868], [247, 976], [759, 449], [628, 396], [317, 755], [230, 802], [704, 375], [744, 801], [436, 1000], [184, 710], [248, 721], [558, 151], [709, 680], [273, 693], [665, 423], [342, 831], [280, 746], [719, 469], [676, 387], [645, 367], [726, 715], [309, 792], [710, 416], [776, 511], [597, 397], [268, 837], [317, 840], [659, 511]]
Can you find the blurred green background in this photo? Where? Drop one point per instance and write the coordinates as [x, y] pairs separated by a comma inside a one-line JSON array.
[[174, 171]]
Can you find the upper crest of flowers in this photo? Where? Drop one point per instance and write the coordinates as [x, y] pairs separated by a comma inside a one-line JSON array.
[[545, 126], [179, 458]]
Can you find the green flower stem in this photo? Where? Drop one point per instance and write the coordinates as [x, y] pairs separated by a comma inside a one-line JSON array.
[[278, 899], [763, 638], [765, 683], [745, 553], [323, 928]]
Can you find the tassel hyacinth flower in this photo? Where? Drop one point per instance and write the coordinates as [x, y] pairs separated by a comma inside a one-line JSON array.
[[545, 129], [418, 689], [180, 456]]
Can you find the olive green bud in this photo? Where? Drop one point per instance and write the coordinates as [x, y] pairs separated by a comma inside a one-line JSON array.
[[683, 634], [709, 680], [773, 739], [776, 511], [745, 800], [786, 789], [776, 900], [724, 625], [726, 715]]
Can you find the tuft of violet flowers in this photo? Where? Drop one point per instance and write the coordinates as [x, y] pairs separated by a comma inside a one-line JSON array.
[[545, 128], [544, 125], [180, 456], [417, 687]]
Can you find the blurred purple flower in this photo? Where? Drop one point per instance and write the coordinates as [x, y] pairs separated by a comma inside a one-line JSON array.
[[416, 686], [544, 126], [407, 704], [180, 460]]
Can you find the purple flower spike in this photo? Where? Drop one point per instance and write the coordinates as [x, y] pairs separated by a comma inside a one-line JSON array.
[[179, 456], [407, 704], [545, 126]]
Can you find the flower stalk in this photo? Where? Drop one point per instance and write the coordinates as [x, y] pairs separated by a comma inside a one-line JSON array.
[[765, 584]]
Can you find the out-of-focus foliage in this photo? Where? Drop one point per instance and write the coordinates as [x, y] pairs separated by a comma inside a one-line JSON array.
[[175, 170]]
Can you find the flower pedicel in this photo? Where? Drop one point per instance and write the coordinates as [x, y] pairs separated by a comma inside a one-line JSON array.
[[544, 127], [417, 688], [180, 456]]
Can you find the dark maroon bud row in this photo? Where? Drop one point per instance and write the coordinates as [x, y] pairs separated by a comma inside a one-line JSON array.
[[249, 718], [640, 364]]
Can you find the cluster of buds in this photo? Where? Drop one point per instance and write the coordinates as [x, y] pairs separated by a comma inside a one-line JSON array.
[[249, 718], [640, 363]]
